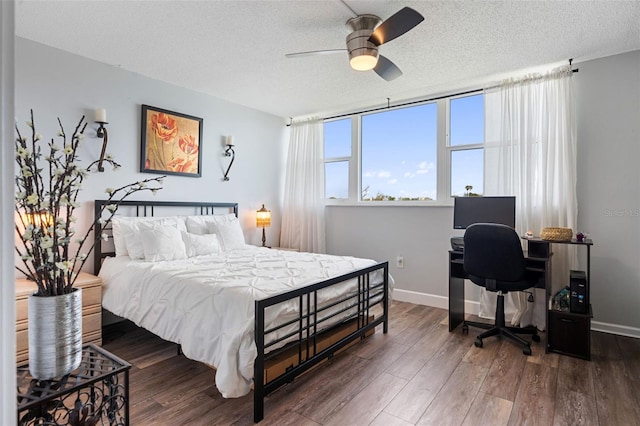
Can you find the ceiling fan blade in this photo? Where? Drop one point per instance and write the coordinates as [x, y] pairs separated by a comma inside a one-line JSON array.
[[387, 69], [396, 25], [314, 53]]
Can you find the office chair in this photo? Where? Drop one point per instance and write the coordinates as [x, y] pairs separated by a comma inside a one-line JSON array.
[[493, 259]]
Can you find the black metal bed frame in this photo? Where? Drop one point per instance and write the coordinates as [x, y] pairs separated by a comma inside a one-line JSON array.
[[355, 306]]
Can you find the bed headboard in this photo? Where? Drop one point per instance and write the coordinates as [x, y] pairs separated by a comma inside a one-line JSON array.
[[149, 209]]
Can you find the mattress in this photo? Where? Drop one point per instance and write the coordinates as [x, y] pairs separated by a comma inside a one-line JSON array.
[[206, 303]]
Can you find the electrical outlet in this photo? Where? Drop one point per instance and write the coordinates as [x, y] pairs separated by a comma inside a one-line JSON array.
[[400, 262]]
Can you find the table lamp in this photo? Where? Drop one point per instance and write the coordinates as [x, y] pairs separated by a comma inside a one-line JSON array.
[[263, 219]]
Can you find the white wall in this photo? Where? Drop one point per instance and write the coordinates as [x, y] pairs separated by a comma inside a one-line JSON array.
[[608, 103], [608, 95], [55, 83]]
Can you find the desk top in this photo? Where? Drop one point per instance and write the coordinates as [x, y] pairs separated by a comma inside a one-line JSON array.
[[585, 242]]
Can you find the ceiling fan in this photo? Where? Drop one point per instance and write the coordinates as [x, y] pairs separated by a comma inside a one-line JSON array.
[[368, 33]]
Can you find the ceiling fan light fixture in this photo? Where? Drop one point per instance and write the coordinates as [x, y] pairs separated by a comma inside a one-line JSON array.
[[363, 55], [364, 62]]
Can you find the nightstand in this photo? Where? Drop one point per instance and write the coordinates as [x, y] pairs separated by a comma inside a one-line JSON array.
[[91, 312]]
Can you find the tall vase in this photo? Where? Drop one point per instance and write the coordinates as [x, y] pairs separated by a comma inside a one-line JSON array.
[[55, 334]]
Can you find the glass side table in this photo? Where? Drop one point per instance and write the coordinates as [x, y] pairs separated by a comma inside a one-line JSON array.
[[96, 393]]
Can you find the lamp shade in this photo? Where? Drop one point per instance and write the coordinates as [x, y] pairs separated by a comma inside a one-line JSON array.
[[41, 219], [263, 218]]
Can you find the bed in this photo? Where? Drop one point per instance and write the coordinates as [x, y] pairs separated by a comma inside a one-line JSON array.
[[235, 307]]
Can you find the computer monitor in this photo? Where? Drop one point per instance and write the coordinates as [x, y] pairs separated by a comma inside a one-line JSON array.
[[470, 210]]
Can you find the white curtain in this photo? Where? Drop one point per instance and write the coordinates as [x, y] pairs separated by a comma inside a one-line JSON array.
[[530, 152], [303, 226]]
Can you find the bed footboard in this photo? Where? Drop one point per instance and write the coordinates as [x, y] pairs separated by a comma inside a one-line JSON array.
[[356, 306]]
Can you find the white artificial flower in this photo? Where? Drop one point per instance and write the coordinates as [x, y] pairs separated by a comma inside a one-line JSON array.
[[38, 136], [68, 149], [32, 199], [28, 234], [142, 184], [27, 257], [22, 152], [46, 242], [73, 219], [55, 147], [58, 172], [80, 136], [26, 171], [82, 256], [104, 237], [30, 123], [109, 191], [112, 207], [154, 191], [60, 134], [102, 221], [115, 167], [108, 157], [64, 265], [60, 232]]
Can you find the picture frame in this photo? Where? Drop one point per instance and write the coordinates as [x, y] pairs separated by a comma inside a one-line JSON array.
[[170, 142]]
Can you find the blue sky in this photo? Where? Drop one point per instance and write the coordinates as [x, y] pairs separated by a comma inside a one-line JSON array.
[[399, 150]]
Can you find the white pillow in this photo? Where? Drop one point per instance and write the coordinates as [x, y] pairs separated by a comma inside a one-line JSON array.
[[199, 225], [200, 245], [229, 233], [133, 228], [123, 226], [162, 243]]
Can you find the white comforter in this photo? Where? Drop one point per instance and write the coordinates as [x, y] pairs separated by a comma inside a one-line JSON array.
[[206, 303]]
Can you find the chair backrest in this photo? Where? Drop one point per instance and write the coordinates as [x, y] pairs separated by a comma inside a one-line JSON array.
[[493, 251]]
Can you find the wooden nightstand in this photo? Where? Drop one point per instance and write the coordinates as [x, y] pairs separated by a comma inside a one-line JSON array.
[[91, 312]]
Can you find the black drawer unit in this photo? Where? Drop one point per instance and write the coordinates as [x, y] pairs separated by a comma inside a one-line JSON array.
[[569, 333]]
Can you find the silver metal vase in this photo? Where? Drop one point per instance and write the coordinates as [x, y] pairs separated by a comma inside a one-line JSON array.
[[55, 334]]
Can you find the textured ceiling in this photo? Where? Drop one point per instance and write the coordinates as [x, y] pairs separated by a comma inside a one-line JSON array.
[[234, 50]]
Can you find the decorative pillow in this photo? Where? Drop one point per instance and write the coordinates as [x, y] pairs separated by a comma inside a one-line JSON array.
[[229, 233], [133, 229], [200, 245], [199, 225], [162, 243]]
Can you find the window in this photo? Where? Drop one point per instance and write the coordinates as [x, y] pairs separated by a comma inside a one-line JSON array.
[[337, 156], [466, 141], [399, 150], [420, 153]]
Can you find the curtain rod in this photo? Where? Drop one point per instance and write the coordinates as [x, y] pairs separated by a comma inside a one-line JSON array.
[[437, 98]]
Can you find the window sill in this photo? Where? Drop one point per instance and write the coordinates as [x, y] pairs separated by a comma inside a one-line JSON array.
[[389, 204]]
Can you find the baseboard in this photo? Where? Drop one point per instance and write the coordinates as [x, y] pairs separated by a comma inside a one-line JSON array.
[[621, 330], [442, 302], [473, 307]]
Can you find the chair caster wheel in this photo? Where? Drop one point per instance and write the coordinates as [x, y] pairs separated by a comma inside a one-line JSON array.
[[536, 338], [526, 350], [478, 343], [465, 329]]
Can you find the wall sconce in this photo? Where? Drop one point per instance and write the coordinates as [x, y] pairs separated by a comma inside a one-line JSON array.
[[101, 119], [229, 152], [263, 219]]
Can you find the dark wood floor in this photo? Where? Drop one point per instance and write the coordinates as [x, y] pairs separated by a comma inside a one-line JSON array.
[[418, 373]]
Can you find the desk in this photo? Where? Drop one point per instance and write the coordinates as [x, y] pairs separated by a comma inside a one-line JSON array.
[[97, 392], [538, 258]]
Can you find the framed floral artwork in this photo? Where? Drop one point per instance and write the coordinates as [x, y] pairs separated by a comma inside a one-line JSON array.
[[170, 142]]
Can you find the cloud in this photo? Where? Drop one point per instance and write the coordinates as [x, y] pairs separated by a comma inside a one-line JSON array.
[[425, 167], [393, 181], [383, 174]]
